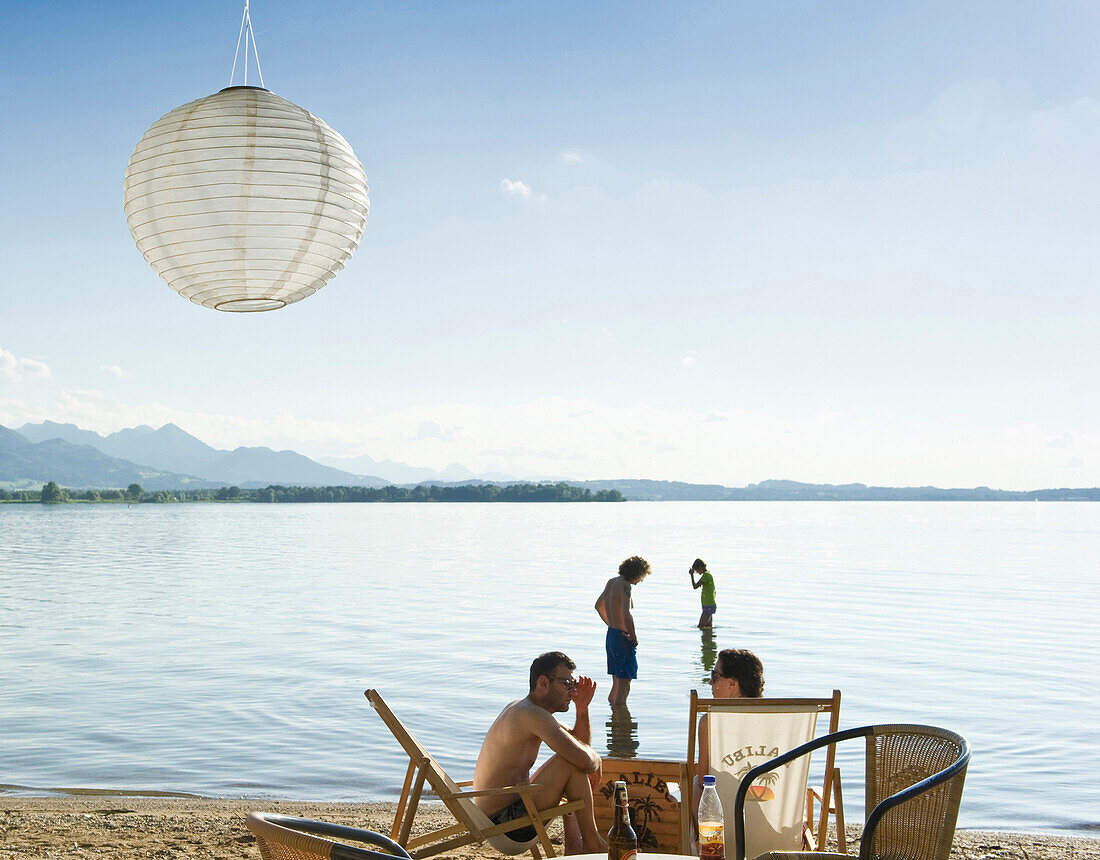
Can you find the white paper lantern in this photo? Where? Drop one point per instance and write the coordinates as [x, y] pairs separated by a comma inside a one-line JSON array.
[[243, 201]]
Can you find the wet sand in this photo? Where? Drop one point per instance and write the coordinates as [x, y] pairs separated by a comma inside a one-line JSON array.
[[111, 827]]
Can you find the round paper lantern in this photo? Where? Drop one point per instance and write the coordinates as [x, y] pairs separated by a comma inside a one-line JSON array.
[[243, 201]]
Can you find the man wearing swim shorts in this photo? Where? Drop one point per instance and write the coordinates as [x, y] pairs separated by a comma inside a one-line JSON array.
[[621, 642], [512, 745]]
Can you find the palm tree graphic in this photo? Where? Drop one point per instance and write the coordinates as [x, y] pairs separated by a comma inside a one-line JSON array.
[[648, 808], [760, 790]]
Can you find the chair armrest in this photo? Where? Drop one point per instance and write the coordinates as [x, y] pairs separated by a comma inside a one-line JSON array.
[[489, 792]]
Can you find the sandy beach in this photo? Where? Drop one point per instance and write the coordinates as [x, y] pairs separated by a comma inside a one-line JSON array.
[[108, 827]]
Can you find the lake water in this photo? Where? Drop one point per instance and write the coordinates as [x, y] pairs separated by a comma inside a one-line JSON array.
[[223, 649]]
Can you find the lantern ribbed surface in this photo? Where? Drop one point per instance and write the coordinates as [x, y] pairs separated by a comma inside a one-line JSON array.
[[243, 201]]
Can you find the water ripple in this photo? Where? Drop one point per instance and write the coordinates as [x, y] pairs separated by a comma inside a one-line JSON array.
[[223, 649]]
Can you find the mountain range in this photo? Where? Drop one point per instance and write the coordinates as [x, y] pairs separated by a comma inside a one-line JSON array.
[[26, 464], [170, 458]]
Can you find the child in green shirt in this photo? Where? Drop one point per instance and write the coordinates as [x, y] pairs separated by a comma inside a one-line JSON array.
[[705, 582]]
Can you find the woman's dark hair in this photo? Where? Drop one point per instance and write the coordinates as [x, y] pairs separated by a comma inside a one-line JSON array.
[[699, 565], [745, 667]]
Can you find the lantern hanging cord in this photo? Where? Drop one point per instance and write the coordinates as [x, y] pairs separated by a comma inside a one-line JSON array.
[[246, 34]]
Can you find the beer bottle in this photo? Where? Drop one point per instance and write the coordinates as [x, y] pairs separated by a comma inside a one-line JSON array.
[[622, 841]]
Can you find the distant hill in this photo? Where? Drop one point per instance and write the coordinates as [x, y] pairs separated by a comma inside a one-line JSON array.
[[171, 458], [402, 473], [794, 491], [173, 449], [24, 463], [663, 491]]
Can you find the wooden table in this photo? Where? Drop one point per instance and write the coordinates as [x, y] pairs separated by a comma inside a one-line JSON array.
[[641, 856]]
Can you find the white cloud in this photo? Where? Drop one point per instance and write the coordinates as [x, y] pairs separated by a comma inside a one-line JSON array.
[[690, 358], [431, 430], [16, 369], [572, 157], [32, 367], [1063, 440], [515, 189], [116, 371]]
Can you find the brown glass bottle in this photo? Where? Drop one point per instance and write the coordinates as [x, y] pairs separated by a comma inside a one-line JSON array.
[[622, 841]]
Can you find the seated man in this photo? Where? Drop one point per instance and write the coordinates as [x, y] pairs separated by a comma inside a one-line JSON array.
[[512, 744]]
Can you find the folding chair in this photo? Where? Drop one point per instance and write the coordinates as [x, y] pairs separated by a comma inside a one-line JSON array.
[[745, 732], [472, 825]]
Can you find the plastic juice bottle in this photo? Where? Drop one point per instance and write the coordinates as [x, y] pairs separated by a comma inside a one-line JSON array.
[[712, 843], [622, 841]]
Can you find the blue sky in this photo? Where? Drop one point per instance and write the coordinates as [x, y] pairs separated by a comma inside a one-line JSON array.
[[706, 242]]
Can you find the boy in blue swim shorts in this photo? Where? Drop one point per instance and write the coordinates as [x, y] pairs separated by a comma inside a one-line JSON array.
[[621, 642]]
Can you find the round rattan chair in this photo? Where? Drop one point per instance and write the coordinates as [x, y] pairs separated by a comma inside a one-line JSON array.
[[914, 787], [284, 837]]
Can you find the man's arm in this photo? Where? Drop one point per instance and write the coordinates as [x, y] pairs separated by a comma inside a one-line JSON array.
[[582, 727], [554, 735], [601, 606], [628, 618]]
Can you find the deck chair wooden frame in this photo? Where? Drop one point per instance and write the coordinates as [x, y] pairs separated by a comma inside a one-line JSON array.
[[472, 825], [829, 797]]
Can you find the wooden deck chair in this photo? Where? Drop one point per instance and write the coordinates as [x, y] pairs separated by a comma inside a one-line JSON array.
[[472, 825], [744, 733]]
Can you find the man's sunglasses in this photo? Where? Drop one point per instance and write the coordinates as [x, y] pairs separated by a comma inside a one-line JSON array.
[[568, 683]]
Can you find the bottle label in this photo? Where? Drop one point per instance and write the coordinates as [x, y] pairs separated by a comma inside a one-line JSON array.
[[629, 854], [711, 844]]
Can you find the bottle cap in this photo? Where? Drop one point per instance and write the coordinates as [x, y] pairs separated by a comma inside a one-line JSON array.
[[621, 782], [708, 780]]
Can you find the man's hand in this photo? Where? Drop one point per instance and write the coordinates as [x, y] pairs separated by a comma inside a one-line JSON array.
[[582, 696], [596, 777]]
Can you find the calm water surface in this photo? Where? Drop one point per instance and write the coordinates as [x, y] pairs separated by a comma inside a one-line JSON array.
[[223, 649]]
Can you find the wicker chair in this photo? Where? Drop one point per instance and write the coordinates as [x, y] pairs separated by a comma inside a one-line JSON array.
[[914, 787], [283, 837]]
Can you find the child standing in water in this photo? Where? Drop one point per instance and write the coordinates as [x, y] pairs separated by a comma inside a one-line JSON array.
[[705, 582]]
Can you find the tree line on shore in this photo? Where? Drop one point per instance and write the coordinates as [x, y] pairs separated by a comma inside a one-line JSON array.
[[51, 493]]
